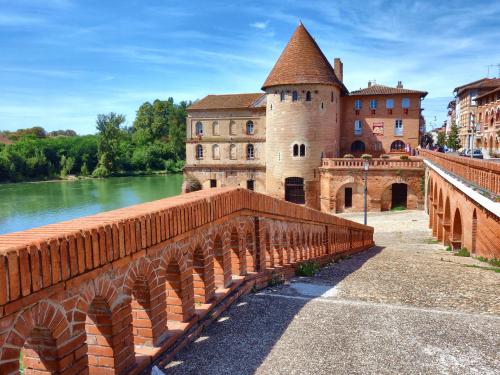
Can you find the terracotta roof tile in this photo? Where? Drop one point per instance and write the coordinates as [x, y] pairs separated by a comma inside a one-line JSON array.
[[483, 83], [385, 90], [230, 101], [302, 61], [489, 92]]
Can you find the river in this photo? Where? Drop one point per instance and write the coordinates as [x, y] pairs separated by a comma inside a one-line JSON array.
[[28, 205]]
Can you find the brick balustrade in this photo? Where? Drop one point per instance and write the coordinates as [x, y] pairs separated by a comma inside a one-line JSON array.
[[114, 292], [357, 163], [485, 174]]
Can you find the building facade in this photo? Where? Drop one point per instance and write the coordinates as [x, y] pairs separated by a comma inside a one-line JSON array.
[[488, 116], [274, 142]]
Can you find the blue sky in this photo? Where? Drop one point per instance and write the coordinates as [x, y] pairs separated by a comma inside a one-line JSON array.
[[64, 61]]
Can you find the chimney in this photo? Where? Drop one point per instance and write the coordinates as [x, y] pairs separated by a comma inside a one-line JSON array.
[[369, 83], [400, 85], [338, 67]]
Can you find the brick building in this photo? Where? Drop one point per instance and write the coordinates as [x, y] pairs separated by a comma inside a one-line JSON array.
[[274, 141], [466, 109], [488, 118]]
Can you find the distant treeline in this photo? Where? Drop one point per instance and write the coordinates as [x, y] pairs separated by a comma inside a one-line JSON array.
[[155, 142]]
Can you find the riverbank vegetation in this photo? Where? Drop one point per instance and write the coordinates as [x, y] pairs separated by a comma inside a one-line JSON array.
[[154, 142]]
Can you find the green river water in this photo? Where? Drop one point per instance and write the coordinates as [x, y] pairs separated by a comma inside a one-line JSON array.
[[29, 205]]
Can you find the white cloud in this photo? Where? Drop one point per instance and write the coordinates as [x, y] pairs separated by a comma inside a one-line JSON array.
[[260, 25]]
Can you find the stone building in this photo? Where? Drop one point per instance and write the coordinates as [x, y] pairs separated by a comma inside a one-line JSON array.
[[488, 118], [274, 142]]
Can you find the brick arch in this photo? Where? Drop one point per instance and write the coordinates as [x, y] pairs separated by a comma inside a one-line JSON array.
[[357, 191], [447, 221], [38, 332], [277, 249], [285, 247], [457, 230], [105, 316], [147, 293], [178, 284], [440, 219], [250, 253], [235, 250], [268, 251], [386, 197], [202, 264], [222, 261]]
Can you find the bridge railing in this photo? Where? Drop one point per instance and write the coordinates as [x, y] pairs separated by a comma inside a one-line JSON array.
[[358, 163], [109, 293], [483, 173]]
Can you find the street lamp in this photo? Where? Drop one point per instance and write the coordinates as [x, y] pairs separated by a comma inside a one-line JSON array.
[[366, 165]]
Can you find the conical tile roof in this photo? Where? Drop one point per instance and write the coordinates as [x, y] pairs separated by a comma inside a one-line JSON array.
[[302, 61]]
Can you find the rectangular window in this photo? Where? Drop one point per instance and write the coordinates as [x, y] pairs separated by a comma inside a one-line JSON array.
[[213, 183], [405, 103], [357, 127], [389, 104], [373, 104], [398, 127], [250, 184], [357, 104]]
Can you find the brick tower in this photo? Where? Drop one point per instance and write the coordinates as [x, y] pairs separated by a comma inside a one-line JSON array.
[[302, 119]]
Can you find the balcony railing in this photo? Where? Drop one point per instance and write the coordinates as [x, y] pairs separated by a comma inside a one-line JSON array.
[[358, 163]]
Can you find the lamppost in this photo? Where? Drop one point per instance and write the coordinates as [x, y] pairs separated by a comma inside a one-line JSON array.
[[366, 165]]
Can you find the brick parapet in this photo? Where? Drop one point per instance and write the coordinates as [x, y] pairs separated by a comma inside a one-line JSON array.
[[164, 255]]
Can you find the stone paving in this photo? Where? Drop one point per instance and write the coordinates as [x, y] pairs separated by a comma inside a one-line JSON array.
[[406, 306]]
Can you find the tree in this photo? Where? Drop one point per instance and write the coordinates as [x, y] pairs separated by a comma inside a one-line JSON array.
[[453, 141], [427, 140], [441, 139], [110, 133]]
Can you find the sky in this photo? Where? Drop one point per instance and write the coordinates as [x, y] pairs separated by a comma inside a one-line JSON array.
[[62, 62]]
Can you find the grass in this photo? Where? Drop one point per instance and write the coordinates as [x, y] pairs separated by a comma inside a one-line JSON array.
[[493, 261], [448, 248], [398, 208], [494, 269], [431, 241], [307, 268], [463, 252]]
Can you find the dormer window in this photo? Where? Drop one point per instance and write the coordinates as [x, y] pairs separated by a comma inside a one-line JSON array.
[[308, 96], [295, 96]]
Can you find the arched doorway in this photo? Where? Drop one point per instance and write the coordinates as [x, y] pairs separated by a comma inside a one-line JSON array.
[[457, 231], [357, 147], [447, 222], [398, 146], [394, 197], [294, 190]]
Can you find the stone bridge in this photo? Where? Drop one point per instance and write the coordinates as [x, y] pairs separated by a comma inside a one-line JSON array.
[[463, 202], [111, 293]]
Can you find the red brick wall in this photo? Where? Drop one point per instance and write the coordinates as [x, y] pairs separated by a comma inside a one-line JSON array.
[[107, 294]]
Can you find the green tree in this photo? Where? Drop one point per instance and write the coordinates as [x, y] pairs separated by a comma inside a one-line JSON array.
[[441, 139], [108, 127], [453, 141]]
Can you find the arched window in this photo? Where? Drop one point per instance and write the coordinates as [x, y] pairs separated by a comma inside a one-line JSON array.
[[295, 149], [232, 127], [199, 128], [282, 96], [215, 152], [232, 152], [295, 96], [302, 150], [249, 127], [332, 97], [250, 151], [199, 152], [398, 146], [215, 128], [357, 146], [308, 96]]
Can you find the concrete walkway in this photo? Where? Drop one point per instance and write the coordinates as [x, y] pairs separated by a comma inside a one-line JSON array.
[[404, 307]]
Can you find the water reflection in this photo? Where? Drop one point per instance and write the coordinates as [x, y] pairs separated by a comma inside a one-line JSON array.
[[29, 205]]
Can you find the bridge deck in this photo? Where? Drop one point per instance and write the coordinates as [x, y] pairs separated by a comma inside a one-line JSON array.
[[407, 306]]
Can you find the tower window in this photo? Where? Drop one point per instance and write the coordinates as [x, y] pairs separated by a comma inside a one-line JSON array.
[[295, 96], [296, 150], [332, 98], [308, 96], [302, 150]]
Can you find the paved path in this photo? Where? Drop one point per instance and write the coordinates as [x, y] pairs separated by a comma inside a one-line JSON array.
[[404, 307]]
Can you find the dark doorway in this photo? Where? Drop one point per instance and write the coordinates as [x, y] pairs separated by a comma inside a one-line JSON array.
[[294, 190], [348, 197], [250, 184], [399, 195], [213, 183]]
